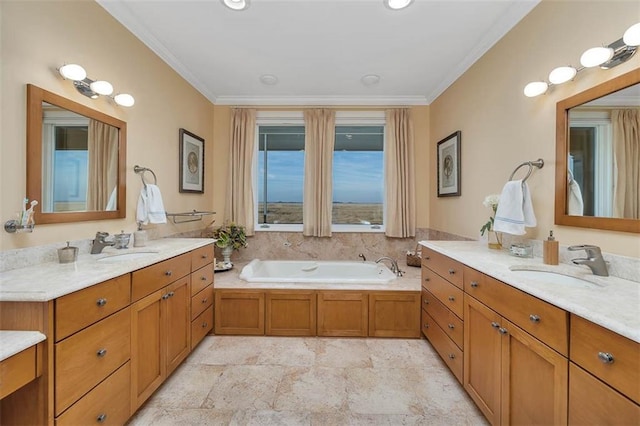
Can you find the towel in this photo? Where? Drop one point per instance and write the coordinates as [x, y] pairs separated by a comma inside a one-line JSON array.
[[150, 207], [515, 210], [574, 198]]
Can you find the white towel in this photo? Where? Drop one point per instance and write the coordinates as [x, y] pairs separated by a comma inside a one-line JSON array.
[[515, 210], [150, 207], [574, 197]]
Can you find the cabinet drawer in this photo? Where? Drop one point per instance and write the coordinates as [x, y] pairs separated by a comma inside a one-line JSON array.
[[590, 343], [19, 369], [109, 403], [447, 293], [201, 278], [201, 257], [77, 310], [450, 353], [201, 326], [146, 281], [86, 358], [444, 266], [447, 320], [538, 318], [201, 301]]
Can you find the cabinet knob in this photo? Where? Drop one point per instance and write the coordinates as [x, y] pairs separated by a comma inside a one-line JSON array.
[[495, 325], [474, 284], [426, 302], [204, 256], [534, 318], [451, 326], [205, 325], [452, 356], [605, 357], [203, 278], [101, 353], [171, 294], [168, 273], [503, 330], [101, 418], [426, 325], [452, 271], [204, 300], [101, 302], [426, 279], [165, 296], [451, 298], [427, 258]]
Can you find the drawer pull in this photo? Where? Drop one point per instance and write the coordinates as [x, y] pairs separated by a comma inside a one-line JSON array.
[[171, 294], [101, 302], [204, 256], [426, 325], [452, 271], [495, 325], [101, 353], [168, 273], [451, 298], [101, 418], [427, 279], [427, 258], [204, 300], [452, 356], [474, 284], [203, 278], [165, 296], [605, 357], [534, 318], [451, 326], [205, 325], [426, 302], [503, 330]]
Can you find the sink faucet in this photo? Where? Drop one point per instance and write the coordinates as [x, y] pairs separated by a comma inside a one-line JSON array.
[[394, 265], [594, 259], [99, 243]]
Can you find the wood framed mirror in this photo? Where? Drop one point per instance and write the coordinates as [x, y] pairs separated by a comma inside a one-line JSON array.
[[76, 159], [596, 177]]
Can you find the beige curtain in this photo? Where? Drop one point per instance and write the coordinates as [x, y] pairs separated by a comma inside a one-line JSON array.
[[399, 175], [102, 145], [240, 186], [626, 148], [319, 141]]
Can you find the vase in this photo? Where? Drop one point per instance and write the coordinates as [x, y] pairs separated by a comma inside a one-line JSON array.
[[494, 240], [226, 255]]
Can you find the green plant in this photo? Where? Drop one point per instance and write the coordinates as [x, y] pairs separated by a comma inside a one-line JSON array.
[[230, 235], [490, 201]]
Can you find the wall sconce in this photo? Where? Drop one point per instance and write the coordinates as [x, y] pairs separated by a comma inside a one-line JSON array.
[[605, 57], [93, 88]]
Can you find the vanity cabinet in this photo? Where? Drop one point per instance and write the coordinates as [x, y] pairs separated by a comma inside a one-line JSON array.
[[20, 369], [343, 313], [290, 313]]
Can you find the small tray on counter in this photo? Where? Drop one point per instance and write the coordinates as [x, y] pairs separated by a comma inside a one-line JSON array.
[[221, 268]]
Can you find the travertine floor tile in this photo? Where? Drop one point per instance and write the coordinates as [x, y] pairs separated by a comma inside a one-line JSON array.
[[245, 387], [187, 387], [343, 353], [317, 389], [271, 418]]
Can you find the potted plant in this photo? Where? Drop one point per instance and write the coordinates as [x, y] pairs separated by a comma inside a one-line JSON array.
[[230, 237]]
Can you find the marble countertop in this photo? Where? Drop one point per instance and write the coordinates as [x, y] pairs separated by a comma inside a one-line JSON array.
[[48, 281], [611, 302], [410, 281], [13, 342]]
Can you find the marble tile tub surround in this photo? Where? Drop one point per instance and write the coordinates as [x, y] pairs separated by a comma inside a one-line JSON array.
[[259, 380]]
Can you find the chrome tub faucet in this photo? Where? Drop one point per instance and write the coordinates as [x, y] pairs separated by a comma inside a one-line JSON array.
[[100, 242], [594, 259], [394, 265]]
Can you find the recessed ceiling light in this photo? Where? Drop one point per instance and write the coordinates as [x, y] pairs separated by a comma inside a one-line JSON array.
[[397, 4], [269, 79], [236, 4], [370, 79]]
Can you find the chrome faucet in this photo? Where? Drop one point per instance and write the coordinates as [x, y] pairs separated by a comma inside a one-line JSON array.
[[594, 259], [100, 243], [394, 265], [363, 257]]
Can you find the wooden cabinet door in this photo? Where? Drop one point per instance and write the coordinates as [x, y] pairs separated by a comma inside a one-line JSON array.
[[177, 320], [534, 380], [148, 354], [394, 314], [482, 343], [290, 314], [239, 312], [343, 313]]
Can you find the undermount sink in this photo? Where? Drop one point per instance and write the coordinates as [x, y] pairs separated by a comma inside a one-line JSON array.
[[126, 256], [552, 277]]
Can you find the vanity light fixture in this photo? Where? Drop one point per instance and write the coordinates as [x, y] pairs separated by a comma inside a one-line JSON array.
[[236, 4], [605, 57], [93, 88], [397, 4]]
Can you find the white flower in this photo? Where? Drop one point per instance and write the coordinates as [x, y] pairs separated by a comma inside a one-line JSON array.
[[491, 200]]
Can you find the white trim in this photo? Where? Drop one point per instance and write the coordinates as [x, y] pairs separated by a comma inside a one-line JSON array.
[[266, 118], [278, 227], [322, 100]]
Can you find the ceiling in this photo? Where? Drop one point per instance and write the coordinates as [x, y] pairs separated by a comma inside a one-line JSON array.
[[319, 49]]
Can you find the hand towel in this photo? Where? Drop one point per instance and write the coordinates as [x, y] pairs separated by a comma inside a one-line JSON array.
[[574, 197], [515, 210], [150, 207]]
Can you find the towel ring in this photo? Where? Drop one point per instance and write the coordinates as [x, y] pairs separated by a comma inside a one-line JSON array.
[[539, 163], [140, 170]]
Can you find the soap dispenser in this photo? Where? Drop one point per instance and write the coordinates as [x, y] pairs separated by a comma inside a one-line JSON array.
[[550, 248]]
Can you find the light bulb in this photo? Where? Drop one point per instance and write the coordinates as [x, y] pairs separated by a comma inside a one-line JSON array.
[[124, 99], [236, 4], [596, 56], [631, 37], [397, 4], [562, 75], [535, 88], [102, 87], [73, 72]]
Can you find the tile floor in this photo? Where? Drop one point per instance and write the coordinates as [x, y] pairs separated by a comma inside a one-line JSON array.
[[310, 381]]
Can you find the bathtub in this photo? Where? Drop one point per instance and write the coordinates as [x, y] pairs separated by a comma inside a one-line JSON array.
[[320, 271]]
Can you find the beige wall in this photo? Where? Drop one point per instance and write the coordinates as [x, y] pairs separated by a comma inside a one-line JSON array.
[[502, 128], [39, 36]]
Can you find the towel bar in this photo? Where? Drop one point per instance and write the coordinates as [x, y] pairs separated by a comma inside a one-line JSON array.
[[193, 215], [539, 163]]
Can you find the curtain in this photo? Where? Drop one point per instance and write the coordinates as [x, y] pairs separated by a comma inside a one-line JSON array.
[[102, 146], [399, 175], [319, 141], [240, 186], [626, 149]]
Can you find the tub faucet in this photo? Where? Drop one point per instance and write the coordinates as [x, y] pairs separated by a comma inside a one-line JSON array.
[[594, 259], [394, 265], [99, 243], [363, 257]]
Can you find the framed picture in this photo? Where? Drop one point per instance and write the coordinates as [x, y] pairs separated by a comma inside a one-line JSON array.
[[191, 162], [449, 166]]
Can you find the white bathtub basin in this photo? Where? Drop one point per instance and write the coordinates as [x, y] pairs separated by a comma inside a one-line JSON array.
[[124, 257]]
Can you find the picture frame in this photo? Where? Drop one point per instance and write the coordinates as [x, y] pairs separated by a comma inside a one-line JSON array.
[[191, 163], [449, 165]]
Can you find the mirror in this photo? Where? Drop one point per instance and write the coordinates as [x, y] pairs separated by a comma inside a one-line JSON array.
[[596, 172], [76, 159]]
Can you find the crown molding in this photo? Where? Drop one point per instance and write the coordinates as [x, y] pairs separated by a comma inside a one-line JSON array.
[[321, 100]]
